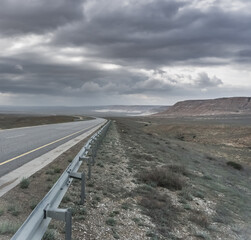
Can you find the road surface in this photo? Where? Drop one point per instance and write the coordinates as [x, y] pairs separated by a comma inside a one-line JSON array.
[[21, 145]]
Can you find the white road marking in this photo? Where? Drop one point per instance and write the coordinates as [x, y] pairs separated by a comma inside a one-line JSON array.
[[14, 177]]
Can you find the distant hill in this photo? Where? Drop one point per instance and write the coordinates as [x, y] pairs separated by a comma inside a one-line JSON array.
[[235, 105]]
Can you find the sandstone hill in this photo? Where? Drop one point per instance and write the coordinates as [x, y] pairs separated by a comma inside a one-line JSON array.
[[234, 105]]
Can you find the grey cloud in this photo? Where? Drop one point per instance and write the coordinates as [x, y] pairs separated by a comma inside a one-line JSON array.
[[148, 34], [245, 53], [25, 16], [204, 81], [8, 68], [243, 56], [42, 76], [173, 84], [159, 33]]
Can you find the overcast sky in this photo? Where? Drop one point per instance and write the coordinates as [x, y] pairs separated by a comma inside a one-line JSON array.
[[98, 52]]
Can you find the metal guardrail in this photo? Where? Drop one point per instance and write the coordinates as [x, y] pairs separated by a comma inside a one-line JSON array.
[[36, 224]]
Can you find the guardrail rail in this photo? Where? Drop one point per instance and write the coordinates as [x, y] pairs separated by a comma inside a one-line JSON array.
[[36, 224]]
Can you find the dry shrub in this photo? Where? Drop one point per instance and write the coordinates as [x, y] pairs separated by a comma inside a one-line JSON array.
[[199, 218], [162, 177], [179, 169], [155, 201], [143, 156], [235, 165], [160, 209]]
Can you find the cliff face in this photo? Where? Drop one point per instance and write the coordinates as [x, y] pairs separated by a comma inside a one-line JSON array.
[[235, 105]]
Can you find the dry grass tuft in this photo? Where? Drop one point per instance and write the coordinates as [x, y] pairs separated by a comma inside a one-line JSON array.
[[200, 219], [159, 207], [235, 165], [162, 177]]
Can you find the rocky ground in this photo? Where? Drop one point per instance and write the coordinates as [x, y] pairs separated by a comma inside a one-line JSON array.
[[157, 179], [131, 196]]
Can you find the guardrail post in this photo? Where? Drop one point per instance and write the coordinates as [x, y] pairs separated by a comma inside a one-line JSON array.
[[89, 168], [96, 145], [93, 154], [88, 158], [80, 176], [61, 215]]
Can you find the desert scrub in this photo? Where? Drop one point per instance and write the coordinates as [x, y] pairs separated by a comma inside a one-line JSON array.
[[66, 199], [198, 194], [110, 221], [100, 164], [235, 165], [82, 211], [151, 235], [179, 169], [199, 218], [33, 204], [126, 206], [186, 195], [13, 210], [161, 210], [50, 234], [49, 172], [113, 214], [25, 182], [1, 211], [162, 177], [8, 228], [57, 170]]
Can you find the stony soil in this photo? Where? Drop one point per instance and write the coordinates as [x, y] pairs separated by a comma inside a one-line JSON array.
[[130, 196], [207, 207]]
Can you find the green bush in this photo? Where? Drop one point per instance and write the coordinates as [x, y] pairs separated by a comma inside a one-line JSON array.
[[66, 199], [8, 228], [57, 170], [33, 204], [125, 206], [14, 210], [50, 234], [114, 213], [82, 211], [25, 182], [198, 194], [110, 222], [235, 165]]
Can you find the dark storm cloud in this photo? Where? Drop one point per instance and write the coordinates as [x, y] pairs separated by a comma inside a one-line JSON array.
[[141, 37], [245, 53], [43, 77], [160, 32], [244, 56], [6, 68], [37, 16]]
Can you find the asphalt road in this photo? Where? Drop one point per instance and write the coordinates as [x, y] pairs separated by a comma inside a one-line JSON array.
[[21, 145]]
